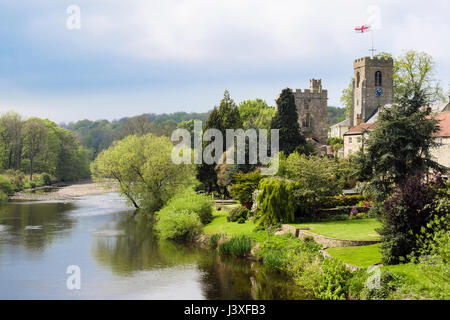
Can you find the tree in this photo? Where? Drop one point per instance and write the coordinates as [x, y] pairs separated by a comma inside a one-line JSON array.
[[35, 135], [144, 169], [414, 78], [398, 147], [286, 120], [12, 136], [246, 184], [226, 116], [336, 143], [347, 98], [255, 114]]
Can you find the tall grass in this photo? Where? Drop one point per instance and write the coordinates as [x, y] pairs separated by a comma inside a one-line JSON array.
[[239, 246]]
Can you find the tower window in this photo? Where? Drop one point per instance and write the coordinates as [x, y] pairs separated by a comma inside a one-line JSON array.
[[307, 121], [378, 78], [357, 79]]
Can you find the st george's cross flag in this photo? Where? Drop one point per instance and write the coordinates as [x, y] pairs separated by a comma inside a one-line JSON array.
[[362, 29]]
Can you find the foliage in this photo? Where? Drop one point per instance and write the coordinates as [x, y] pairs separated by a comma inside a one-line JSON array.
[[357, 284], [340, 201], [200, 204], [238, 246], [40, 146], [226, 116], [414, 71], [179, 225], [286, 120], [347, 98], [333, 281], [406, 213], [99, 135], [238, 214], [389, 282], [317, 179], [336, 143], [245, 185], [144, 170], [275, 202], [5, 185], [335, 115], [213, 240], [255, 114], [392, 154]]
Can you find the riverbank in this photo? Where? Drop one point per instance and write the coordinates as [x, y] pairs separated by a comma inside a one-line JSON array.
[[63, 191]]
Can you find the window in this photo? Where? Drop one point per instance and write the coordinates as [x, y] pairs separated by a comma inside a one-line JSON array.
[[378, 79], [439, 142], [349, 139], [357, 79], [358, 139], [307, 120]]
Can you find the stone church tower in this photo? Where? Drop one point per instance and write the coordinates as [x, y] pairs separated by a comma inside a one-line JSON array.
[[372, 87], [312, 111]]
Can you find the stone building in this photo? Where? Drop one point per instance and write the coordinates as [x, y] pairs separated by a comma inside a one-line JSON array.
[[372, 87], [441, 153], [312, 111]]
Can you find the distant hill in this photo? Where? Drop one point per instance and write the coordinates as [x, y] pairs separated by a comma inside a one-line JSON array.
[[335, 115]]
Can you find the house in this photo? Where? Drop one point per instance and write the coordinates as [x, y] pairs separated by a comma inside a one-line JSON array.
[[337, 130], [353, 138], [441, 153]]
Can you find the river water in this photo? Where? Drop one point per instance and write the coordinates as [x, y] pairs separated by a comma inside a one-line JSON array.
[[118, 256]]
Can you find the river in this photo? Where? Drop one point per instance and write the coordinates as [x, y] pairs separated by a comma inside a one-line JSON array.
[[118, 256]]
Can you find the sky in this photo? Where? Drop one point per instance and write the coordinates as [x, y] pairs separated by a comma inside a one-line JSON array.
[[142, 56]]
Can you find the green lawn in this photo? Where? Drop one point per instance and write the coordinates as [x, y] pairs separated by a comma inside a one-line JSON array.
[[354, 229], [363, 256], [220, 225]]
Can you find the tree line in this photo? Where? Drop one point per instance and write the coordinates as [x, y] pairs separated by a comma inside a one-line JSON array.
[[37, 145]]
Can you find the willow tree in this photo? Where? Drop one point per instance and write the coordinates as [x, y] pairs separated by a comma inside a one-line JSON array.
[[144, 170]]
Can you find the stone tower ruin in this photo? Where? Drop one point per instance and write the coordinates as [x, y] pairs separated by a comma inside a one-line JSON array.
[[312, 111], [372, 87]]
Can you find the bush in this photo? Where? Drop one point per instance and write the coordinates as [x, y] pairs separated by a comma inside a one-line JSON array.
[[406, 213], [334, 281], [389, 282], [182, 225], [238, 214], [200, 204], [340, 201], [46, 179], [246, 184], [357, 284], [238, 246], [16, 178], [275, 201], [5, 185]]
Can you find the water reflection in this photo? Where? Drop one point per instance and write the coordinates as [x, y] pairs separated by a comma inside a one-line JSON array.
[[34, 225], [138, 249], [119, 255]]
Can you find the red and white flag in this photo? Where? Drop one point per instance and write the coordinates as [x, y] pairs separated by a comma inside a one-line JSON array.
[[362, 29]]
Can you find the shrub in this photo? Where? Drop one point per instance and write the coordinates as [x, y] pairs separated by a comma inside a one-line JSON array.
[[16, 178], [182, 225], [246, 184], [340, 201], [200, 204], [334, 281], [389, 282], [406, 213], [357, 284], [275, 201], [46, 179], [238, 246], [238, 214], [5, 185]]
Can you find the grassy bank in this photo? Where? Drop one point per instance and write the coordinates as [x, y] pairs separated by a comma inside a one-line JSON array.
[[353, 229]]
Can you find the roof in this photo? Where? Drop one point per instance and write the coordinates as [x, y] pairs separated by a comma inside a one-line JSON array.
[[346, 122], [359, 128], [444, 124], [439, 107]]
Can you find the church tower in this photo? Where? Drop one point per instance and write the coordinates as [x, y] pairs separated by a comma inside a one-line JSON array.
[[372, 87]]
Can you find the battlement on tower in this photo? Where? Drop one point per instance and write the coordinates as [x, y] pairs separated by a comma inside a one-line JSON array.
[[315, 90], [373, 62]]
